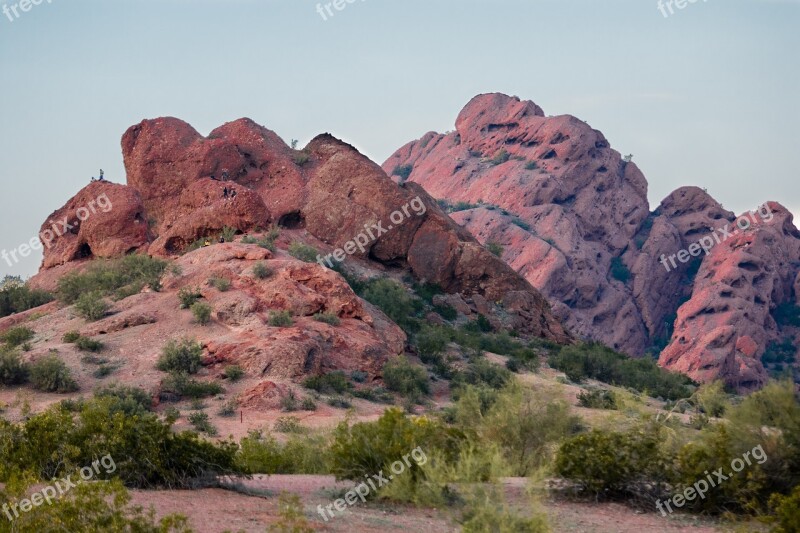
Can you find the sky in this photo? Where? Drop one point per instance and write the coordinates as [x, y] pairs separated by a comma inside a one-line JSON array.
[[704, 96]]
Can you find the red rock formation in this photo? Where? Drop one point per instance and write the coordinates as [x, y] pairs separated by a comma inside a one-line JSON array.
[[572, 218], [723, 329]]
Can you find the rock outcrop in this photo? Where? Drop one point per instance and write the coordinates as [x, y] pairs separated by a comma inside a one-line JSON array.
[[571, 215]]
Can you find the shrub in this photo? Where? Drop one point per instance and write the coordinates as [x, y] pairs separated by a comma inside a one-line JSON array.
[[531, 165], [303, 252], [619, 271], [89, 345], [228, 233], [202, 313], [292, 515], [234, 372], [593, 360], [403, 172], [485, 510], [281, 319], [50, 374], [376, 395], [308, 404], [288, 424], [301, 158], [201, 423], [289, 402], [359, 376], [103, 371], [91, 306], [402, 377], [597, 399], [13, 371], [327, 318], [393, 299], [219, 283], [501, 157], [448, 312], [786, 511], [57, 442], [260, 453], [339, 402], [97, 506], [520, 223], [483, 372], [611, 463], [431, 343], [16, 336], [16, 297], [188, 296], [71, 337], [228, 408], [261, 271], [128, 400], [265, 241], [184, 356], [120, 278], [334, 382], [495, 248], [178, 385], [787, 314]]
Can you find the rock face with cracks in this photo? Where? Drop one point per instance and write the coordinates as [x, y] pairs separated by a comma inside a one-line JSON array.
[[571, 215]]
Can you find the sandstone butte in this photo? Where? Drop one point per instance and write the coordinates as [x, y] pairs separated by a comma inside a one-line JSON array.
[[323, 196], [573, 218]]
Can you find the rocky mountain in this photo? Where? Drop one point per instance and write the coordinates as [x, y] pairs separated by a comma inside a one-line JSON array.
[[688, 280], [326, 196]]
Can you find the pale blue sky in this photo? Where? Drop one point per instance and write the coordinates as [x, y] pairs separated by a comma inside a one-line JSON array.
[[707, 96]]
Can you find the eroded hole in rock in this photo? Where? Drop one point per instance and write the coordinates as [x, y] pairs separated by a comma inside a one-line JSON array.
[[311, 359], [175, 245], [749, 266], [550, 154], [293, 220], [83, 252]]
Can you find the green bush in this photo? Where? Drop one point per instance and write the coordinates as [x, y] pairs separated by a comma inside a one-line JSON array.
[[786, 511], [431, 343], [261, 271], [97, 506], [787, 314], [308, 404], [71, 337], [16, 297], [393, 299], [595, 361], [128, 400], [495, 248], [119, 278], [13, 371], [234, 372], [50, 374], [58, 442], [92, 306], [17, 336], [184, 356], [303, 252], [327, 318], [405, 378], [266, 241], [612, 463], [201, 423], [333, 382], [228, 408], [485, 510], [202, 313], [501, 157], [281, 319], [531, 165], [260, 453], [188, 296], [89, 345], [289, 402], [403, 172], [219, 283], [481, 371], [619, 271], [228, 233], [289, 424], [597, 399], [178, 385]]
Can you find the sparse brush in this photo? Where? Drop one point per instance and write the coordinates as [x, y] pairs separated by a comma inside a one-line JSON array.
[[327, 318], [262, 271], [188, 296], [281, 319], [202, 313]]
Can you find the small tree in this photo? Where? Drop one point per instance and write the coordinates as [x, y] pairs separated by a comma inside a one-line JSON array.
[[202, 313]]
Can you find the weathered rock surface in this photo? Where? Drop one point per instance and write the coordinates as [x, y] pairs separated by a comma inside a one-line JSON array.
[[572, 217]]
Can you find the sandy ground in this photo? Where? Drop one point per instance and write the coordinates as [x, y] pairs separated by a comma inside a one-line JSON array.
[[218, 510]]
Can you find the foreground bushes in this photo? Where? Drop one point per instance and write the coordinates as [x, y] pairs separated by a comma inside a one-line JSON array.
[[102, 506], [147, 452]]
